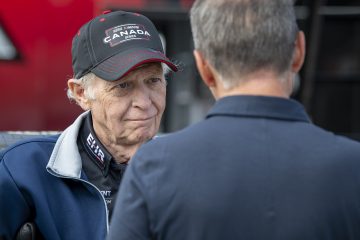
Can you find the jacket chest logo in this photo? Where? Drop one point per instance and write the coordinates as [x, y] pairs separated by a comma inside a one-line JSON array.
[[95, 148]]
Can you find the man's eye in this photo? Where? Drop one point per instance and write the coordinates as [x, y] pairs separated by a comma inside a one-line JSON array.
[[123, 85], [155, 80]]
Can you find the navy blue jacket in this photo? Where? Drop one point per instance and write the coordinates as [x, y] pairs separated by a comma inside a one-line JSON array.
[[255, 169], [41, 180]]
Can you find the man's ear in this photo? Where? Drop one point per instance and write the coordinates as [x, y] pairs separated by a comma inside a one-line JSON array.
[[299, 52], [78, 92], [205, 70]]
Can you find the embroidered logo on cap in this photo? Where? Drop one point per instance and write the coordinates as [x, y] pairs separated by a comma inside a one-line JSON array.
[[126, 32]]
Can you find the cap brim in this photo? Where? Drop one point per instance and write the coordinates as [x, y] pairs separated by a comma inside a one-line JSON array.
[[121, 64]]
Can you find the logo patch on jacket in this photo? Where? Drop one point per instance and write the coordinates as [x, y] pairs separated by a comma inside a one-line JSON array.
[[95, 148]]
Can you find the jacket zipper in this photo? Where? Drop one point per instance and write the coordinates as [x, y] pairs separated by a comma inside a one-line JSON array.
[[89, 183]]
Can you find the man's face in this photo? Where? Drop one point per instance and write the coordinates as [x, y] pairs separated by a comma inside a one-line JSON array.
[[128, 111]]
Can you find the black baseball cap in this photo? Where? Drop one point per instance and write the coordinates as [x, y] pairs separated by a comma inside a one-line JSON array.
[[113, 44]]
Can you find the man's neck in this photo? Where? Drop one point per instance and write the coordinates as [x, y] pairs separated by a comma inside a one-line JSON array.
[[121, 153], [261, 84]]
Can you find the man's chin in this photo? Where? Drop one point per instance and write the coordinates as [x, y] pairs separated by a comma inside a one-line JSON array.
[[140, 136]]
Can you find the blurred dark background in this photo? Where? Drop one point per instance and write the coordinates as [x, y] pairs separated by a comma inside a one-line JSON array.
[[35, 62]]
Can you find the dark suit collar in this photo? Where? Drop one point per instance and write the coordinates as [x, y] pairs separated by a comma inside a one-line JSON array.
[[259, 106]]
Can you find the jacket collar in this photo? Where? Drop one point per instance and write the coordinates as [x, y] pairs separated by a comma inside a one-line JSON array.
[[259, 107], [65, 160]]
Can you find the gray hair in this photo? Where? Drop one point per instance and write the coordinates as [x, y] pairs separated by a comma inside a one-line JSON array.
[[239, 37]]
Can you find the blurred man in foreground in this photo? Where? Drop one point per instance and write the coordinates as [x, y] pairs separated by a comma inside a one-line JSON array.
[[256, 167], [67, 184]]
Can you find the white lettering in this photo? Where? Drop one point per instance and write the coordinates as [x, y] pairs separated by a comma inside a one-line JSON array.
[[124, 33], [130, 36], [101, 155], [118, 29], [132, 27], [107, 39], [106, 193], [95, 147], [90, 139]]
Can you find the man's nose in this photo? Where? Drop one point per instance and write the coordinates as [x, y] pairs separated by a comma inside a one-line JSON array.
[[141, 97]]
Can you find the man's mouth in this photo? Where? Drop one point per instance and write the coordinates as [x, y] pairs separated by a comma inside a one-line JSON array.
[[141, 119]]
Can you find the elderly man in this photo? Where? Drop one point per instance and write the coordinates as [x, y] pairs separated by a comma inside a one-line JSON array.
[[67, 184], [256, 168]]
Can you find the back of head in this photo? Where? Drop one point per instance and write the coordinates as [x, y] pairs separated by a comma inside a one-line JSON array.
[[239, 37]]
